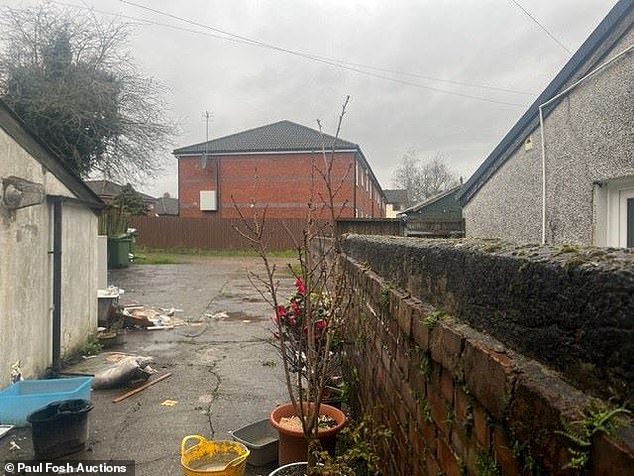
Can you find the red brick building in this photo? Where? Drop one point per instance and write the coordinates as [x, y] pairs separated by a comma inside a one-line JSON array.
[[275, 166]]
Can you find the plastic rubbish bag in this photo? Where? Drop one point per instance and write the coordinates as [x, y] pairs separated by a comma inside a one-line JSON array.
[[127, 371]]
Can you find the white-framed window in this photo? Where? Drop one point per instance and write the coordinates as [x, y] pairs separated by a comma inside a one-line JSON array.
[[623, 220], [614, 213]]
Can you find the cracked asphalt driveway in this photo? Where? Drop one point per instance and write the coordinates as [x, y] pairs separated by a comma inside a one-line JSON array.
[[225, 373], [225, 376]]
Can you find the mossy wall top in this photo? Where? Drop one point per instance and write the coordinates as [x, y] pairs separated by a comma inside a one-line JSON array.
[[568, 307]]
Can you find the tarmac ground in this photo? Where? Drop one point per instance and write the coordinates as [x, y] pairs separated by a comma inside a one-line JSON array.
[[225, 372]]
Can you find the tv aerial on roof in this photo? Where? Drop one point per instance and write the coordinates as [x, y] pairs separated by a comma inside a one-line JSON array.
[[203, 158]]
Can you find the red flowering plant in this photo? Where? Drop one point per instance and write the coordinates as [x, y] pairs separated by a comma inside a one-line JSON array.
[[291, 325], [307, 325]]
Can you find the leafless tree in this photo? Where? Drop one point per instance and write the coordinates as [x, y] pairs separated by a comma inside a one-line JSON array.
[[423, 179], [70, 77], [310, 327]]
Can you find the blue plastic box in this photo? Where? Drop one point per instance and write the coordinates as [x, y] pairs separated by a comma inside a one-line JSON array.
[[17, 401]]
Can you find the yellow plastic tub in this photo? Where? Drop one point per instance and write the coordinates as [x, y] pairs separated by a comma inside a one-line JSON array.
[[213, 458]]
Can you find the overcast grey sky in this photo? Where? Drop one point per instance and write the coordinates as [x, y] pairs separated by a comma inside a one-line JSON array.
[[489, 43]]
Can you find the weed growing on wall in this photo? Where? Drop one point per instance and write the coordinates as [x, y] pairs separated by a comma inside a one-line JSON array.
[[433, 317], [596, 418], [486, 465]]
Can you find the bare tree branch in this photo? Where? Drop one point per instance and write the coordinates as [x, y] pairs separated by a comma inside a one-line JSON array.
[[71, 78]]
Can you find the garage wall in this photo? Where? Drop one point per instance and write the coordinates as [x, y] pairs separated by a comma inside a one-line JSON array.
[[26, 270]]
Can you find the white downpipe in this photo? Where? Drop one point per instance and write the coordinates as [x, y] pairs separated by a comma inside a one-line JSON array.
[[541, 133], [541, 126]]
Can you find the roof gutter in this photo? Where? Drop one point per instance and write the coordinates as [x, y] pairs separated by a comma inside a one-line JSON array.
[[541, 125], [178, 154]]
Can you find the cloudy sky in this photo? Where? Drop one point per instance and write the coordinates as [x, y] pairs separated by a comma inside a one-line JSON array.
[[446, 77]]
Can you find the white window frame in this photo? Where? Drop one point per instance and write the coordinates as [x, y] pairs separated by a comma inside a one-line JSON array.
[[618, 192], [208, 201], [624, 195]]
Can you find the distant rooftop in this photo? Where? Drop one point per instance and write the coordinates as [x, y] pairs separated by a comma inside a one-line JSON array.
[[396, 196], [107, 188], [282, 136], [433, 199], [166, 206]]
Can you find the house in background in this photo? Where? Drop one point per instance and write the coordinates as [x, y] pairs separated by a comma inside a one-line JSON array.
[[48, 253], [108, 190], [437, 216], [577, 186], [442, 206], [396, 202], [273, 166], [166, 206]]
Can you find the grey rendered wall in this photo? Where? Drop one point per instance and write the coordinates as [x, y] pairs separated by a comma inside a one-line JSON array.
[[589, 137], [25, 270], [79, 276]]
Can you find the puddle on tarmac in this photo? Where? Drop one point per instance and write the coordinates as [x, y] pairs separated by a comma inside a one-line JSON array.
[[239, 316]]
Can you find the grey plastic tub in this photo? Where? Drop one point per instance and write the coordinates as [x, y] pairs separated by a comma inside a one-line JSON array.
[[261, 438]]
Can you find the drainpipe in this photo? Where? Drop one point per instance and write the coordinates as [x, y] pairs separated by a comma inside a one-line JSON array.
[[541, 127], [541, 133], [57, 283], [354, 187], [218, 186]]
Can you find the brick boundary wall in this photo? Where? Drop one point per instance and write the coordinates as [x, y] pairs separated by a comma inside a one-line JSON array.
[[457, 400]]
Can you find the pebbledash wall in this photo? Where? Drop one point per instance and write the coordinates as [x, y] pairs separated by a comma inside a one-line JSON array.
[[472, 352], [589, 142]]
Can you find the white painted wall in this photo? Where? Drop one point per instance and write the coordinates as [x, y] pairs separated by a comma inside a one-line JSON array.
[[26, 270], [390, 212]]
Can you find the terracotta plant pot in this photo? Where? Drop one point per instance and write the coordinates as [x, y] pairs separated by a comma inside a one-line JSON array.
[[293, 447]]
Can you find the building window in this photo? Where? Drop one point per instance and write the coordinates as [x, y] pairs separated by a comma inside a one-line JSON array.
[[208, 202], [621, 219], [396, 207], [614, 213]]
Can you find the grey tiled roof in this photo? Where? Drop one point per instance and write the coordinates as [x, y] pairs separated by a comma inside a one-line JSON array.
[[283, 136], [106, 188], [166, 206], [396, 196]]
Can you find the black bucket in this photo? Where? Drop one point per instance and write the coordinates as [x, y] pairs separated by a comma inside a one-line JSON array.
[[60, 428]]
